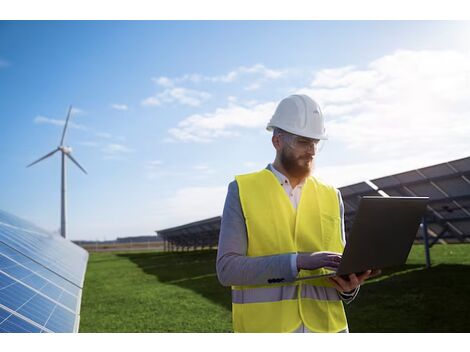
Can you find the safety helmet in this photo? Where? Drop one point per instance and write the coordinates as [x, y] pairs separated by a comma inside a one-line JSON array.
[[301, 115]]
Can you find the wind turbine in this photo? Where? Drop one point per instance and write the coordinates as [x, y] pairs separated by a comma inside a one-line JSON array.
[[66, 151]]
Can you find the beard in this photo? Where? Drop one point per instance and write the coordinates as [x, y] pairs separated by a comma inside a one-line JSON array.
[[300, 166]]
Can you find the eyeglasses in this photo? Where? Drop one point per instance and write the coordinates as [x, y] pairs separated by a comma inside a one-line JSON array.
[[302, 143]]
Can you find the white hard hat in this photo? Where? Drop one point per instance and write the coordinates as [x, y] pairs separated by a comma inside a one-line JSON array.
[[301, 115]]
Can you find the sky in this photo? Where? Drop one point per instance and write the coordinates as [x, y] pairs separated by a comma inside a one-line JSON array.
[[166, 113]]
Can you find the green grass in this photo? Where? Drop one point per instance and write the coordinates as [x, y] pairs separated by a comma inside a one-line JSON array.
[[154, 292], [415, 299], [179, 292]]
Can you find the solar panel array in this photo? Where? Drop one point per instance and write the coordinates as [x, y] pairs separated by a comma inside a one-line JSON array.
[[447, 185], [448, 211], [41, 279], [204, 233]]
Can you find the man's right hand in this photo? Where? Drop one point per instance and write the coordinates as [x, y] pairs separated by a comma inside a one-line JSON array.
[[317, 260]]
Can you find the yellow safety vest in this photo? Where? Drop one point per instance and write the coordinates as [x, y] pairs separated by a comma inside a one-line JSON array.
[[275, 227]]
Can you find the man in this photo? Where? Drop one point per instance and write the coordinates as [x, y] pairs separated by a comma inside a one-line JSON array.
[[281, 224]]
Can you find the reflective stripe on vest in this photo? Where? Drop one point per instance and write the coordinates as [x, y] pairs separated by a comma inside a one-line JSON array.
[[275, 227], [274, 294]]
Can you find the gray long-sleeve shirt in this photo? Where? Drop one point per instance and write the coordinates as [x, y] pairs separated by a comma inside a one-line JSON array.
[[234, 267]]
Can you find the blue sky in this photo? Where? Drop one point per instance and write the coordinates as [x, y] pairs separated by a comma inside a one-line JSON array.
[[166, 113]]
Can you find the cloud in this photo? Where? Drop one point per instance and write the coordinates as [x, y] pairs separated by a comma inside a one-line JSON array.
[[151, 101], [252, 77], [253, 86], [223, 122], [179, 95], [261, 73], [56, 122], [258, 72], [164, 82], [404, 103], [121, 107]]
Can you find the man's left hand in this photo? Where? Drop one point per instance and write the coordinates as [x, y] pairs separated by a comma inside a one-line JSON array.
[[354, 282]]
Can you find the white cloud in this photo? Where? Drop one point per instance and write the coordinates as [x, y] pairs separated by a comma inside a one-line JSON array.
[[223, 122], [163, 81], [151, 101], [193, 77], [179, 95], [121, 107], [405, 109], [253, 86], [406, 103], [56, 122], [258, 72], [252, 77]]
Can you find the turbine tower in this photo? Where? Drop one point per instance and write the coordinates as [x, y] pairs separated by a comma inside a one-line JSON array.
[[66, 151]]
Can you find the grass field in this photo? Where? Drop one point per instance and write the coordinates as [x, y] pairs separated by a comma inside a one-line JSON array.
[[179, 292]]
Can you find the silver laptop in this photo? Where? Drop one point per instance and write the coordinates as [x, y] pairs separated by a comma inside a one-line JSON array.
[[382, 234]]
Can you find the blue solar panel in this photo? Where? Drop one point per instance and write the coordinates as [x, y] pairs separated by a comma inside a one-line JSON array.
[[28, 276], [12, 323], [59, 255], [42, 271], [41, 278]]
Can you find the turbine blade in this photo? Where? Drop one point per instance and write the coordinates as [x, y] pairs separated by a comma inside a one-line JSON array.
[[65, 126], [76, 163], [44, 157]]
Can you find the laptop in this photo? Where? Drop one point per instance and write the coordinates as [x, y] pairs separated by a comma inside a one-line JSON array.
[[381, 236]]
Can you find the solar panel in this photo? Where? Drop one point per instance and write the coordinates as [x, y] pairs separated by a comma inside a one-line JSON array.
[[41, 279], [204, 233], [448, 187]]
